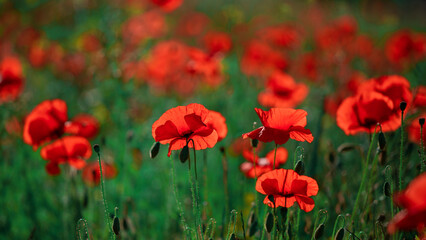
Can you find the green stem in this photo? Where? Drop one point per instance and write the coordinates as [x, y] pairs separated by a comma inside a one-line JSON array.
[[364, 176], [178, 203], [422, 153], [195, 194], [275, 155], [256, 198], [103, 197]]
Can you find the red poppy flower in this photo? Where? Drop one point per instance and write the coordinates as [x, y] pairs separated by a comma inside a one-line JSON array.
[[206, 67], [413, 200], [147, 25], [37, 56], [282, 91], [259, 59], [180, 124], [90, 43], [91, 173], [218, 123], [280, 124], [70, 149], [192, 24], [263, 165], [45, 122], [414, 130], [283, 36], [420, 97], [167, 5], [11, 79], [287, 187], [83, 125], [362, 112], [217, 42], [405, 47]]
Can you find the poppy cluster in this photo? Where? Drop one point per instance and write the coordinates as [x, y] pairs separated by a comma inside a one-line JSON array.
[[283, 187], [412, 200], [48, 122], [377, 101], [254, 166], [192, 125]]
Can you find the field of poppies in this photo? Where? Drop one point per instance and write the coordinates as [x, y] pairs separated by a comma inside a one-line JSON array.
[[185, 119]]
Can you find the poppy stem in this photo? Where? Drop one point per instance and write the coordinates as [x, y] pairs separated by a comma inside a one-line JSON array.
[[195, 194], [97, 150], [225, 180], [364, 176], [256, 198], [422, 150], [178, 203], [401, 150]]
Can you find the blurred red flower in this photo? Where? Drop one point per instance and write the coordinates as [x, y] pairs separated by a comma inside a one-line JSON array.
[[167, 5], [83, 125], [404, 48], [45, 122], [37, 55], [218, 123], [217, 42], [180, 124], [414, 130], [70, 149], [11, 79], [91, 173], [280, 124], [259, 59], [287, 187], [208, 68], [150, 24], [282, 91], [263, 165], [285, 36], [377, 101], [240, 145], [413, 202], [420, 97]]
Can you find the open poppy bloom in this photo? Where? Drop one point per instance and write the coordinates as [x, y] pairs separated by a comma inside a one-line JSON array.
[[281, 124], [45, 122], [263, 165], [413, 200], [179, 125], [167, 5], [287, 187], [218, 123], [83, 125], [11, 79], [282, 91], [91, 173], [70, 149]]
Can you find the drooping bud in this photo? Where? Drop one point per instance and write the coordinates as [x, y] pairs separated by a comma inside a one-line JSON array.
[[300, 167], [269, 224], [254, 143], [403, 106], [387, 189], [382, 140], [340, 234], [184, 154], [96, 148], [116, 226], [154, 150], [319, 232]]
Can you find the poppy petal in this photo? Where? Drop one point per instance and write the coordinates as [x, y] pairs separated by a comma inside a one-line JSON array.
[[301, 134], [305, 203]]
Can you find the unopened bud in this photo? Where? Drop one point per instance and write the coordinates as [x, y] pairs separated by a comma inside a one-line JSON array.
[[319, 232], [116, 226], [340, 234], [382, 140], [254, 143], [299, 168], [97, 148], [269, 224], [421, 121], [154, 150], [387, 189], [184, 154], [403, 106]]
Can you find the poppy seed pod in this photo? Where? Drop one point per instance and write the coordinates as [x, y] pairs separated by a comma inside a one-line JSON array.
[[97, 148], [184, 154], [403, 106], [154, 150], [421, 121]]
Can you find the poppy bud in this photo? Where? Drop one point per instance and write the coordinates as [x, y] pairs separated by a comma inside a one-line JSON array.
[[387, 189], [116, 226], [340, 234], [421, 121], [382, 140], [254, 143], [184, 154], [299, 168], [271, 198], [269, 224], [253, 228], [154, 150], [233, 237], [97, 148], [331, 157], [319, 232], [381, 218], [403, 106]]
